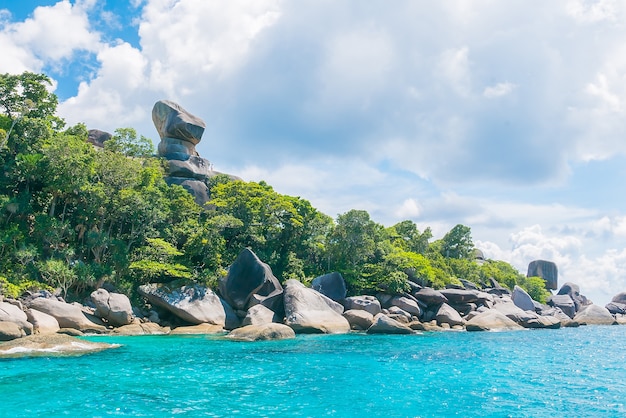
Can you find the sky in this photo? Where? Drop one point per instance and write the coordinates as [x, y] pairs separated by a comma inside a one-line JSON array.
[[505, 116]]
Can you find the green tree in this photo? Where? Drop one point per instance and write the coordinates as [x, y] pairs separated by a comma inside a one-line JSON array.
[[458, 243], [125, 141]]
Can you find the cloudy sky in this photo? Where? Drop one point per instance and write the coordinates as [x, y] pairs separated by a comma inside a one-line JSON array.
[[505, 116]]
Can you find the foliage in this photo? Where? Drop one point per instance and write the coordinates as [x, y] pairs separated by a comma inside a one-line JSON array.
[[535, 287], [73, 218]]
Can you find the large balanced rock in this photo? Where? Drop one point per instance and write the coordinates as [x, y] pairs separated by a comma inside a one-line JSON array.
[[172, 121], [491, 320], [382, 324], [12, 313], [546, 270], [114, 307], [262, 332], [366, 303], [68, 316], [331, 285], [308, 311], [594, 315], [192, 303], [249, 282]]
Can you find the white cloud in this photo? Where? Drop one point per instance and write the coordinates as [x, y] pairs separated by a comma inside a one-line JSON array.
[[56, 32], [498, 90], [592, 11], [454, 67], [410, 209]]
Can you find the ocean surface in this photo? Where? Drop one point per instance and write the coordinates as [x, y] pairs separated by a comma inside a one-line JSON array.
[[575, 372]]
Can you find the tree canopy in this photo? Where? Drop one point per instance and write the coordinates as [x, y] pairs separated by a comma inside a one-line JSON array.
[[73, 217]]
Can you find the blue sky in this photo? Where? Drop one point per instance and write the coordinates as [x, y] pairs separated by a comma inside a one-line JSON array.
[[508, 117]]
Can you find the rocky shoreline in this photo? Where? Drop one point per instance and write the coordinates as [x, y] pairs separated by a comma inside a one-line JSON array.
[[251, 305]]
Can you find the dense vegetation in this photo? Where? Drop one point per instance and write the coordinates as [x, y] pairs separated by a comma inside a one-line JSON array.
[[73, 217]]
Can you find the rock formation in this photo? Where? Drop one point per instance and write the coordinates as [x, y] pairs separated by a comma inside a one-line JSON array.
[[250, 282], [194, 304], [180, 132], [98, 138], [546, 270], [115, 308], [331, 285]]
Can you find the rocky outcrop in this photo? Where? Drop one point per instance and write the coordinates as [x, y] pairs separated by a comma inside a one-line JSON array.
[[115, 308], [180, 132], [10, 331], [430, 297], [546, 270], [564, 303], [447, 315], [594, 315], [308, 311], [382, 324], [491, 320], [42, 322], [406, 304], [68, 316], [141, 328], [331, 285], [366, 303], [262, 332], [202, 329], [194, 303], [259, 315], [13, 314], [249, 282], [522, 300], [359, 319], [50, 345], [98, 138]]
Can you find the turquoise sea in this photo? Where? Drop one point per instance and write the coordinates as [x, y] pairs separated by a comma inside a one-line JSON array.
[[577, 372]]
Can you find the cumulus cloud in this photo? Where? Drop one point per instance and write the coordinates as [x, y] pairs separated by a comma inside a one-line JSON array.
[[498, 90]]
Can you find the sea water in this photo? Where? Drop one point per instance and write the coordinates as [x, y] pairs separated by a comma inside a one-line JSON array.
[[574, 372]]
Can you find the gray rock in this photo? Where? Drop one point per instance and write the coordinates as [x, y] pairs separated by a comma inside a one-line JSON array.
[[10, 331], [366, 303], [382, 324], [97, 137], [192, 303], [544, 321], [514, 313], [616, 308], [198, 189], [359, 319], [263, 332], [619, 298], [564, 303], [594, 315], [12, 313], [331, 285], [460, 295], [193, 168], [113, 307], [172, 121], [522, 300], [491, 320], [447, 315], [50, 345], [546, 270], [573, 291], [308, 311], [399, 314], [67, 315], [138, 328], [406, 304], [201, 329], [232, 320], [430, 296], [259, 315], [249, 276], [42, 322]]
